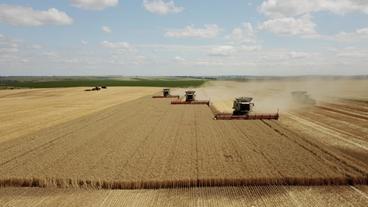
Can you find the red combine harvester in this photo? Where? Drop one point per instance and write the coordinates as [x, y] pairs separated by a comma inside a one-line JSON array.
[[166, 94], [242, 107], [190, 99]]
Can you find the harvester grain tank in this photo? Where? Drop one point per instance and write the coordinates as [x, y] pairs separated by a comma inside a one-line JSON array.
[[190, 96], [242, 105], [190, 99], [242, 108], [166, 94]]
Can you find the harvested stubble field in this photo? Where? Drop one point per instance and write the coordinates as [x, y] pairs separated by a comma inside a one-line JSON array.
[[148, 143], [299, 196], [23, 111], [335, 125], [339, 120]]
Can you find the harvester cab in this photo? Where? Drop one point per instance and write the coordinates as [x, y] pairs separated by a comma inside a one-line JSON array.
[[166, 92], [190, 99], [242, 111], [189, 96], [242, 105]]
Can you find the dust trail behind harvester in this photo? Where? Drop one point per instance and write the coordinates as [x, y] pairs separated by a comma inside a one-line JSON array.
[[272, 95]]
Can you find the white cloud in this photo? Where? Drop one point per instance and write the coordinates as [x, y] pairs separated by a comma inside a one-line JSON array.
[[362, 31], [298, 55], [243, 34], [36, 46], [161, 7], [223, 50], [179, 59], [8, 46], [20, 58], [250, 48], [14, 51], [233, 50], [357, 35], [94, 4], [106, 29], [302, 26], [84, 42], [115, 45], [26, 16], [209, 31], [351, 53], [242, 39], [282, 8]]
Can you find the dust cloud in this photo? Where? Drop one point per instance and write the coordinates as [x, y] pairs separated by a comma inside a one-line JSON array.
[[270, 96]]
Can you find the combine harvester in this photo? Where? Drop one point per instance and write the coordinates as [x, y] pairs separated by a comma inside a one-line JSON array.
[[242, 107], [190, 99], [166, 94]]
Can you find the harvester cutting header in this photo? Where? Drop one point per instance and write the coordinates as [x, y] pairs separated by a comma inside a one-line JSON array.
[[242, 111], [166, 94], [190, 99], [242, 108]]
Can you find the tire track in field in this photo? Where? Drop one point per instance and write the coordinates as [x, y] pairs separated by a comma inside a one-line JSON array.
[[359, 191], [97, 116], [331, 131], [346, 107], [267, 159], [52, 141], [43, 146], [342, 112], [338, 122], [346, 165], [311, 166]]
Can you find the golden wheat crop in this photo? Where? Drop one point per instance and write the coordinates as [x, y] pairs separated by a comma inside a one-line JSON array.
[[23, 111], [148, 143], [317, 196]]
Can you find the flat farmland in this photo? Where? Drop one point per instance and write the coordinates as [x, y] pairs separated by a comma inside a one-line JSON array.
[[148, 143], [339, 119], [23, 111], [298, 196], [341, 125], [120, 147]]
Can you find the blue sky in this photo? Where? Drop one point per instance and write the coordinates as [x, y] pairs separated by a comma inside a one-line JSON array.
[[177, 37]]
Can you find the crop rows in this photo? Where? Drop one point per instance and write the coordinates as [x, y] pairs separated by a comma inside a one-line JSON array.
[[24, 111], [215, 196], [343, 132], [148, 143], [349, 125]]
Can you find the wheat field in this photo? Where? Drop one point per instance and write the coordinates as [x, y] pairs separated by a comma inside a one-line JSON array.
[[339, 120], [68, 147], [248, 196], [171, 146], [23, 111]]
